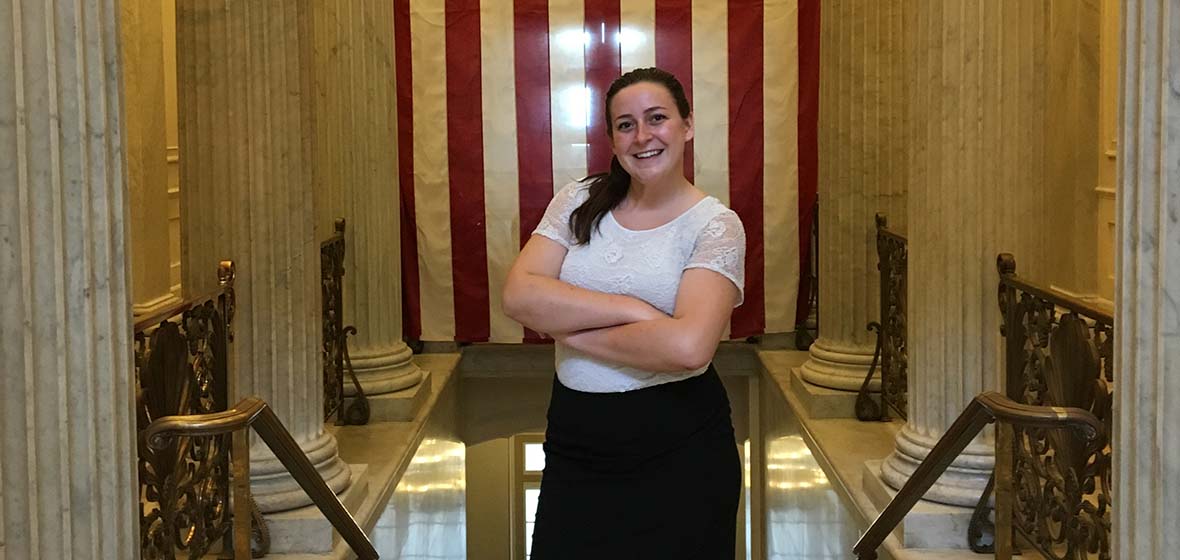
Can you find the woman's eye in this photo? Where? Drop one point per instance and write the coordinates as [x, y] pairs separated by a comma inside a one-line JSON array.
[[658, 118], [624, 126]]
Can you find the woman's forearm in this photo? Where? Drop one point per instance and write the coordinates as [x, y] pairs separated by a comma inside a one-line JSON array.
[[661, 345], [551, 306]]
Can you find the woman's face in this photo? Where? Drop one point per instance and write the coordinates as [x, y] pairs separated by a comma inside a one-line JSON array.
[[648, 133]]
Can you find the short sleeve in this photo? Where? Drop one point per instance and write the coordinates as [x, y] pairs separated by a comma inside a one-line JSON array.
[[721, 247], [555, 224]]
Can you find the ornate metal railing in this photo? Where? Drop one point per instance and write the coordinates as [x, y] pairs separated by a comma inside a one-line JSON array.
[[335, 341], [1010, 417], [1058, 352], [254, 413], [807, 328], [181, 367], [891, 352]]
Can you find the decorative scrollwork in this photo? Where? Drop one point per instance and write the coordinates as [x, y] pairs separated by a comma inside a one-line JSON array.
[[1058, 353], [332, 305], [335, 344], [893, 262], [181, 368]]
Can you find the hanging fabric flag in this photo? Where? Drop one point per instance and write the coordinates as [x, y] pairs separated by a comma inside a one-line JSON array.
[[500, 105]]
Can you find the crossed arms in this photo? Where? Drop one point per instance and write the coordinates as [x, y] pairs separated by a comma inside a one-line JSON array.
[[615, 328]]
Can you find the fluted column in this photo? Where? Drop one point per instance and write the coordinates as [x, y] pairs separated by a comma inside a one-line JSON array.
[[67, 461], [246, 174], [862, 172], [976, 173], [147, 166], [356, 178], [1147, 344]]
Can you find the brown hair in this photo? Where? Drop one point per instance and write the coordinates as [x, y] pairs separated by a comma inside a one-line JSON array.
[[608, 189]]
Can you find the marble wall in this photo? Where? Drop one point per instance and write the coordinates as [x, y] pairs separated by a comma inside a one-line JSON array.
[[145, 124], [1147, 347], [67, 427], [1073, 150]]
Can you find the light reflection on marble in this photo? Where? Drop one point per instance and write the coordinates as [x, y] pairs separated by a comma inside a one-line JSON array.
[[805, 518], [426, 517]]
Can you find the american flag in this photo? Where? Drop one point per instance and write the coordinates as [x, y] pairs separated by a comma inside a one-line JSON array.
[[500, 104]]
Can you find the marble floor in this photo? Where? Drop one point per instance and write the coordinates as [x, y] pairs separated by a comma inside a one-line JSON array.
[[464, 494]]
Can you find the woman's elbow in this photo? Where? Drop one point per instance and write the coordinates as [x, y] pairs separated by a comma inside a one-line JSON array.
[[511, 301], [696, 354]]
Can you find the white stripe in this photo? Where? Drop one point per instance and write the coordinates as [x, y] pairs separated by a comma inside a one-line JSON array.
[[431, 177], [781, 171], [637, 38], [570, 105], [710, 92], [501, 176]]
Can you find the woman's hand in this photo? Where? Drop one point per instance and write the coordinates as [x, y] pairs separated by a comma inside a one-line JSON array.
[[535, 297], [644, 311]]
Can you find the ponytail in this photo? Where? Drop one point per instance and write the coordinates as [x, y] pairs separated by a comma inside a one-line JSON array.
[[607, 190]]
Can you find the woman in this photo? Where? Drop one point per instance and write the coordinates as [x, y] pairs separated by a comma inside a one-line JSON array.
[[634, 273]]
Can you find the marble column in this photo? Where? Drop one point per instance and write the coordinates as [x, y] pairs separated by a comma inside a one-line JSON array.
[[145, 131], [246, 148], [862, 173], [975, 174], [356, 178], [1147, 343], [67, 461]]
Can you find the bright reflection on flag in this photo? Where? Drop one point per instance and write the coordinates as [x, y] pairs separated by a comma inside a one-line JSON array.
[[630, 39], [574, 106], [572, 40]]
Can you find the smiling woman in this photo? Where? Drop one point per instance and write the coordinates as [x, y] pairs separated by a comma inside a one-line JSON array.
[[635, 273]]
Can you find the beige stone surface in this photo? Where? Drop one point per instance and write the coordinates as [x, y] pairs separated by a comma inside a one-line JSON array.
[[977, 163], [142, 41], [68, 486], [246, 125], [842, 447], [356, 178], [863, 171], [385, 449], [1147, 300]]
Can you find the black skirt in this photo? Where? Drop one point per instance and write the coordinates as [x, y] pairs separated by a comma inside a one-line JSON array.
[[651, 473]]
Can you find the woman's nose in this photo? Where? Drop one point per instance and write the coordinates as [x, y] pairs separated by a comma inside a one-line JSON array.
[[642, 133]]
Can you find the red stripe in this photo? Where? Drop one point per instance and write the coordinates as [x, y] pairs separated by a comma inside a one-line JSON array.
[[674, 51], [809, 18], [411, 294], [746, 147], [603, 64], [534, 131], [469, 262]]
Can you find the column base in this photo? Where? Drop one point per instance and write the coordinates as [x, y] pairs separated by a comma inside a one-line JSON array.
[[841, 367], [305, 530], [384, 370], [275, 489], [928, 525], [964, 480], [821, 402], [400, 406]]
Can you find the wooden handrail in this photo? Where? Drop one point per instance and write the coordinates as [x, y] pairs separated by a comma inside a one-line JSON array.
[[1006, 265], [254, 412], [225, 276], [982, 410]]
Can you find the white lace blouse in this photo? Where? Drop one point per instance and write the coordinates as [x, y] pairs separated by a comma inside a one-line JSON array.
[[645, 264]]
